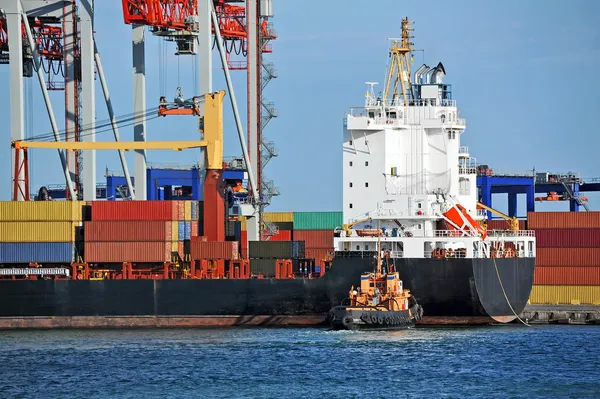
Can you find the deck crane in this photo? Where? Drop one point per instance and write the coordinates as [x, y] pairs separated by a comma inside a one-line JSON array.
[[513, 222]]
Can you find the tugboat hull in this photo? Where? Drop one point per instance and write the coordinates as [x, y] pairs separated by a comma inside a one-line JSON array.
[[361, 318]]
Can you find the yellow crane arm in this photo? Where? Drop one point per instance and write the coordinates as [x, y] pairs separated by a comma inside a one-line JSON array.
[[348, 227], [211, 124], [513, 222]]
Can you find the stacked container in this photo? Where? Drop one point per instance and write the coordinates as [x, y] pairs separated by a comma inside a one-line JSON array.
[[264, 254], [567, 257], [316, 230], [138, 231], [45, 232]]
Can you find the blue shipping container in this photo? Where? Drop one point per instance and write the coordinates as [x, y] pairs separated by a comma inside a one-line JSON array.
[[181, 232], [188, 230], [41, 252], [194, 210]]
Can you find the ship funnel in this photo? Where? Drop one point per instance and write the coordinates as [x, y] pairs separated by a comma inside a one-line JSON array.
[[419, 72], [424, 76], [438, 74]]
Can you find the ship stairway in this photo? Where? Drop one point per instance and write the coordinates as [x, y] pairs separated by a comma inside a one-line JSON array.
[[577, 199]]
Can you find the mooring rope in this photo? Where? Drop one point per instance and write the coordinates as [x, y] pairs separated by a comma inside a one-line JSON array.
[[505, 296]]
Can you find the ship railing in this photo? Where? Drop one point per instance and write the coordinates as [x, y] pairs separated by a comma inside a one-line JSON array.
[[510, 233], [504, 253], [481, 212], [399, 102], [449, 233], [449, 254], [463, 149], [467, 171]]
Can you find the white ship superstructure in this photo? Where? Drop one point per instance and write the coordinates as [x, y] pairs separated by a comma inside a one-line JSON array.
[[407, 180]]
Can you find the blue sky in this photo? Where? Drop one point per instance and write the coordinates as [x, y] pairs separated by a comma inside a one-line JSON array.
[[523, 74]]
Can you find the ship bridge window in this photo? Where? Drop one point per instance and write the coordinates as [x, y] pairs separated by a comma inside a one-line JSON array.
[[419, 205], [350, 205], [367, 184], [371, 114], [366, 247], [366, 163], [350, 163], [351, 184], [391, 115], [350, 142]]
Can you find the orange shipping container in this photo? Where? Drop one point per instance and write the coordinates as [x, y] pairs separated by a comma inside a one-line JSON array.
[[568, 256], [118, 252], [566, 275], [315, 238], [214, 249], [503, 225], [283, 235], [563, 220], [567, 238]]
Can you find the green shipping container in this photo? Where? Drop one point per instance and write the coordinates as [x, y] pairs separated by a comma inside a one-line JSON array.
[[317, 220]]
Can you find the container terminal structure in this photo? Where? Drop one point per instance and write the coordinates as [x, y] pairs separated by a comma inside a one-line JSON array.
[[217, 259]]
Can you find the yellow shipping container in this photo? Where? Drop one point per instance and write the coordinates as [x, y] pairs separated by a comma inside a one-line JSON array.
[[565, 294], [243, 223], [41, 211], [279, 217], [188, 210], [38, 231], [175, 232], [174, 246]]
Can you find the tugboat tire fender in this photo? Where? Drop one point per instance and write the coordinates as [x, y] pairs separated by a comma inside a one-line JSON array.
[[380, 319], [347, 321]]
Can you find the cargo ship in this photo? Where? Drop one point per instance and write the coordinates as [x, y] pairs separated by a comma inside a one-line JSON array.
[[405, 170], [166, 263]]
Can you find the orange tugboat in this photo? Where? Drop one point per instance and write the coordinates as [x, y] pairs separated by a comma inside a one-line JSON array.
[[381, 303]]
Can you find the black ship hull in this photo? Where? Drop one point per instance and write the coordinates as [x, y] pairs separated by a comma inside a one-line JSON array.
[[443, 287]]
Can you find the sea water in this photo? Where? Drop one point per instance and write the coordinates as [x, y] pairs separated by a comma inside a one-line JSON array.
[[509, 361]]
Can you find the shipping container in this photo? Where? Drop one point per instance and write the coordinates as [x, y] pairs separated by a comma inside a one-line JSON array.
[[266, 267], [565, 294], [284, 225], [174, 231], [118, 252], [278, 216], [188, 210], [132, 210], [563, 220], [188, 231], [317, 220], [174, 247], [567, 238], [129, 230], [194, 209], [244, 239], [228, 250], [503, 225], [318, 254], [194, 228], [41, 211], [276, 249], [315, 238], [282, 235], [567, 257], [180, 210], [567, 275], [38, 231], [41, 252], [181, 231]]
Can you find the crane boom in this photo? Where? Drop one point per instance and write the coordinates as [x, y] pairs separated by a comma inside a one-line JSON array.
[[512, 221]]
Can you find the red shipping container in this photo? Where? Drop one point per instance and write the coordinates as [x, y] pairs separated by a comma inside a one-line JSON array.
[[244, 253], [106, 231], [214, 250], [567, 257], [563, 220], [318, 254], [194, 228], [283, 235], [315, 238], [180, 249], [118, 252], [503, 225], [131, 210], [567, 238], [565, 275]]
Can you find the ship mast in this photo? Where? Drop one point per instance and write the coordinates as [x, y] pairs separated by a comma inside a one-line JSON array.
[[399, 70]]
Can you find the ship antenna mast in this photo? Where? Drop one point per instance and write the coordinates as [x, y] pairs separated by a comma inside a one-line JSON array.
[[399, 71]]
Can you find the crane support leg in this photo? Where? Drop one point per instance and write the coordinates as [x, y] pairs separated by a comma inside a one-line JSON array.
[[512, 204], [21, 188], [253, 225], [88, 96], [139, 108], [40, 74], [13, 12]]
